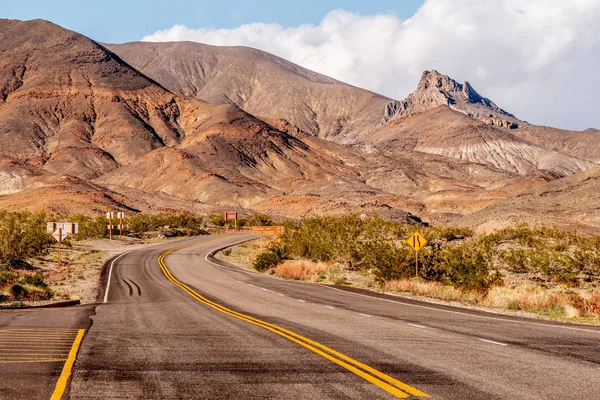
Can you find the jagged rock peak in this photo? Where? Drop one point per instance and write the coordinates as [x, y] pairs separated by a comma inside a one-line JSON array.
[[436, 89]]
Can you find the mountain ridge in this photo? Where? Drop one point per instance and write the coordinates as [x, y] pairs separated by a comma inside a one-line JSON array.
[[85, 131]]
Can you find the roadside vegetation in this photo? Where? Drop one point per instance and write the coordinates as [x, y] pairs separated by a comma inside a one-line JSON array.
[[540, 270], [28, 254]]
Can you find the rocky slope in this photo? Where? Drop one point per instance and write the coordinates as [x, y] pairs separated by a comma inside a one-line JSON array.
[[70, 107], [444, 131], [570, 203], [259, 83], [84, 131]]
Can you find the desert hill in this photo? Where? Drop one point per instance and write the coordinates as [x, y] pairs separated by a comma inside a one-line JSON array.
[[571, 202], [259, 83], [447, 132], [84, 131]]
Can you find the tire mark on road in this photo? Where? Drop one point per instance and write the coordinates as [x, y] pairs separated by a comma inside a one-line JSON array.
[[139, 290], [129, 286]]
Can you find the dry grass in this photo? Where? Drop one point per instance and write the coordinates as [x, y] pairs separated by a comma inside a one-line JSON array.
[[430, 289], [302, 270], [556, 302]]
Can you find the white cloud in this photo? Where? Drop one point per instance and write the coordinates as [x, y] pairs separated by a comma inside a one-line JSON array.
[[538, 58]]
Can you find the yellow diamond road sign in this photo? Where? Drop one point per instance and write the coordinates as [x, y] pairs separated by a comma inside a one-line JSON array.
[[416, 241]]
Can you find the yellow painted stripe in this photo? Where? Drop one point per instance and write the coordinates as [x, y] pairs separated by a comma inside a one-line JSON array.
[[21, 348], [61, 384], [39, 330], [42, 360], [384, 381]]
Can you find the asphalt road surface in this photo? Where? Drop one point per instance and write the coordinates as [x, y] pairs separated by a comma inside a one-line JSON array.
[[34, 346], [183, 325]]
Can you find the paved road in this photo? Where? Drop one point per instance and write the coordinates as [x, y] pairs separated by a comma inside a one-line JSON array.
[[158, 339], [34, 346]]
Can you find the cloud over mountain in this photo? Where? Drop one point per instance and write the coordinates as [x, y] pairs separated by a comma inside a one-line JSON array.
[[536, 58]]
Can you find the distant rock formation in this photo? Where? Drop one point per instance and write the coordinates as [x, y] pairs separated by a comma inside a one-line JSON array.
[[435, 89]]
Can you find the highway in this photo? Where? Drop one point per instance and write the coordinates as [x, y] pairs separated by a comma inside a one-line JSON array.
[[179, 324]]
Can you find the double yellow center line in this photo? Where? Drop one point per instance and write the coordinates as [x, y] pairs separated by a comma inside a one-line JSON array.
[[370, 374]]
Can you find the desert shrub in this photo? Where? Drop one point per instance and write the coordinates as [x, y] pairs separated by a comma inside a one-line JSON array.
[[388, 261], [227, 252], [516, 260], [217, 219], [468, 269], [270, 258], [450, 233], [18, 291], [140, 223], [22, 235], [301, 270], [90, 228], [258, 220], [36, 279], [7, 276], [35, 293]]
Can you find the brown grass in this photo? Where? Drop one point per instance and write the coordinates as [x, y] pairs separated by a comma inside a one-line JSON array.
[[558, 301], [302, 270]]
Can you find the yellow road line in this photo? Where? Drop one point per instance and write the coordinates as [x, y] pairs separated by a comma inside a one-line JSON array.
[[61, 384], [370, 374], [42, 360], [39, 330]]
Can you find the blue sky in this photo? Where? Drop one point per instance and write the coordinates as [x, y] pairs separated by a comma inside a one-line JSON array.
[[118, 21]]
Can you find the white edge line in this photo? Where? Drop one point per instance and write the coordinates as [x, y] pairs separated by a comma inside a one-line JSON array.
[[400, 302], [112, 264], [492, 342], [330, 307], [417, 326], [365, 315], [302, 301]]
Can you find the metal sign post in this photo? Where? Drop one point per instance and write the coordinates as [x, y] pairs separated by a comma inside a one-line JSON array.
[[109, 217], [120, 215], [60, 230], [417, 242]]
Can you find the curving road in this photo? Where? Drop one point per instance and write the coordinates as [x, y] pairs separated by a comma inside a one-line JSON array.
[[183, 325]]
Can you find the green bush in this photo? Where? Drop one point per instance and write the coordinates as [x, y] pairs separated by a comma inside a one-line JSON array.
[[274, 255], [217, 219], [22, 235], [36, 279], [468, 269], [7, 276]]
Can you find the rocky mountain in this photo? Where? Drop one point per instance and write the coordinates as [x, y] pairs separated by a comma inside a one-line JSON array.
[[72, 108], [84, 130], [444, 131], [259, 83], [435, 89]]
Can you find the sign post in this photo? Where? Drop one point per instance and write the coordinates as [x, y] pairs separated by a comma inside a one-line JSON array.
[[267, 230], [60, 230], [231, 216], [120, 215], [109, 216], [417, 242]]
